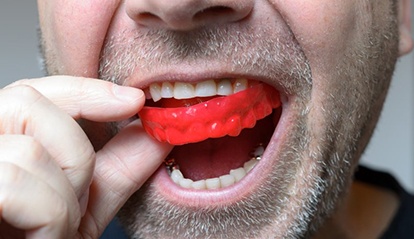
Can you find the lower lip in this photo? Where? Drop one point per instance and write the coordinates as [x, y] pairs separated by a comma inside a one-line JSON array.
[[202, 198]]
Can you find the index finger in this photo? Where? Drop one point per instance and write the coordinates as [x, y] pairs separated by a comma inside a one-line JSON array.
[[44, 108], [87, 98]]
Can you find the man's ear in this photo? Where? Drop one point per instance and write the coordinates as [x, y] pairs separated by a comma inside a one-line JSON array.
[[404, 21]]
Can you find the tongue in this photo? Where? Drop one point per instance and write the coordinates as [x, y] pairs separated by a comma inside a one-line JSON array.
[[216, 157], [214, 118]]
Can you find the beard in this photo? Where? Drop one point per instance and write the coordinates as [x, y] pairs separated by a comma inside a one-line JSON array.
[[314, 169], [149, 215]]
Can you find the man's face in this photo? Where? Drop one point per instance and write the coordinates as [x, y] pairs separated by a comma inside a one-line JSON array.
[[330, 62]]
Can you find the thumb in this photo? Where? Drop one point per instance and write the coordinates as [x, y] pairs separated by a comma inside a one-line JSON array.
[[122, 167]]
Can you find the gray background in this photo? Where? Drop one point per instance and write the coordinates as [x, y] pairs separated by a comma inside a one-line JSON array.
[[391, 148]]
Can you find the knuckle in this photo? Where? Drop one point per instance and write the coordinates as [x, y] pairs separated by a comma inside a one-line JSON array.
[[31, 148], [21, 148], [57, 214], [64, 215], [17, 106], [19, 98], [9, 174], [23, 90], [61, 210], [18, 83], [58, 210]]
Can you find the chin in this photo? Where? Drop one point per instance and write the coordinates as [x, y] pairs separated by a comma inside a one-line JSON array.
[[264, 147]]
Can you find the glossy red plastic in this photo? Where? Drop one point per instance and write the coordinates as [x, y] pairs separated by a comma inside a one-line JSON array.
[[215, 118]]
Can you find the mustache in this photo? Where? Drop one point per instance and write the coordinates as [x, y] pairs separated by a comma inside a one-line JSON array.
[[265, 51]]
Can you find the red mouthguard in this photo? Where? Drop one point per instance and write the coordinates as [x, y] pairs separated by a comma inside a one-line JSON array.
[[215, 118]]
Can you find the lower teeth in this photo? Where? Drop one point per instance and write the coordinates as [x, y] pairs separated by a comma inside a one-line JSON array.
[[234, 176]]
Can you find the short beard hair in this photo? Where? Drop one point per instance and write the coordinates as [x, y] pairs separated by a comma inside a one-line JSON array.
[[146, 215]]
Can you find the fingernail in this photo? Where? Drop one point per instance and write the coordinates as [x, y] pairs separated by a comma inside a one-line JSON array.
[[125, 93]]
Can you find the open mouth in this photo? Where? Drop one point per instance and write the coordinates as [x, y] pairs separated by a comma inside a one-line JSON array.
[[220, 128]]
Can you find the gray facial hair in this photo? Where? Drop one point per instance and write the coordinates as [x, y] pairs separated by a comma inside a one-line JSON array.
[[147, 215]]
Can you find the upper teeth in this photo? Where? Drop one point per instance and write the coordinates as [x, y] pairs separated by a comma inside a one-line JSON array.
[[181, 90]]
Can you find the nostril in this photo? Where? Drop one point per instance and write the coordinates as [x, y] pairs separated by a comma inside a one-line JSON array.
[[213, 12], [148, 17], [185, 15]]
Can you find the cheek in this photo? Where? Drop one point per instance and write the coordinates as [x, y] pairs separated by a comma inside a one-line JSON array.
[[324, 28], [327, 31], [74, 32]]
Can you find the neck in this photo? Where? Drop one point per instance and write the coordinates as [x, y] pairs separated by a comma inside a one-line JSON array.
[[365, 213]]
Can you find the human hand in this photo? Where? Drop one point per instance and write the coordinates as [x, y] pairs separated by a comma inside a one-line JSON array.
[[52, 183]]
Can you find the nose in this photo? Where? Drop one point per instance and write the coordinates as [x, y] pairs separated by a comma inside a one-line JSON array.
[[184, 15]]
